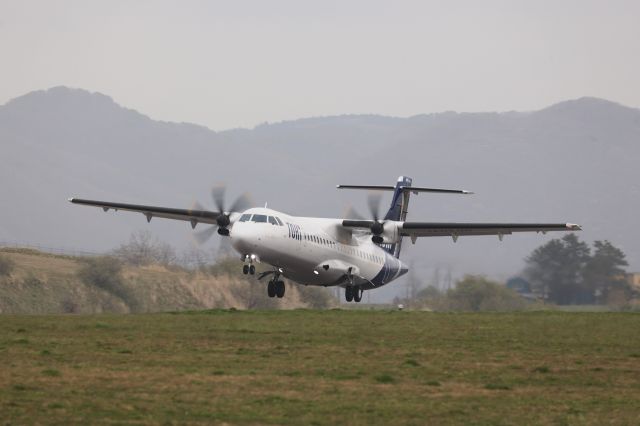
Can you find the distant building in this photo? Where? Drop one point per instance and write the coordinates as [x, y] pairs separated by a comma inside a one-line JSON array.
[[519, 284], [633, 279], [522, 287]]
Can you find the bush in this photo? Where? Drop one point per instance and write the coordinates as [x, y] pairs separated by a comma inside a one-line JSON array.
[[315, 297], [69, 306], [254, 295], [476, 293], [105, 273], [6, 265]]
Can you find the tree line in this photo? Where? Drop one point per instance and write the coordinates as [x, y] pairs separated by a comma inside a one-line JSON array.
[[567, 271], [564, 271]]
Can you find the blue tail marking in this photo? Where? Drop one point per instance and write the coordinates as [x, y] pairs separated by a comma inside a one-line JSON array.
[[395, 210]]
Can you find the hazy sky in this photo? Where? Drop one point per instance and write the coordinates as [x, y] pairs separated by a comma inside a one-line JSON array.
[[225, 64]]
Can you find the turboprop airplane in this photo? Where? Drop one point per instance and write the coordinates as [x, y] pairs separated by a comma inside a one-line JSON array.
[[356, 254]]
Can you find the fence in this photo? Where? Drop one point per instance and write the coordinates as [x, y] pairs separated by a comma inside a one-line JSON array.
[[48, 249]]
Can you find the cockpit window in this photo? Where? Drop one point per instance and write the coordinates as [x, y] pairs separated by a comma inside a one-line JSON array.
[[279, 221], [245, 218], [272, 220], [259, 218]]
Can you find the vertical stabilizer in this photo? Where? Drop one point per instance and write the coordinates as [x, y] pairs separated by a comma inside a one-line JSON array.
[[398, 210]]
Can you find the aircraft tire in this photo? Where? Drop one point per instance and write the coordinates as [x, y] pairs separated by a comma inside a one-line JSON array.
[[245, 269], [271, 289], [280, 289], [348, 293], [357, 294], [252, 269]]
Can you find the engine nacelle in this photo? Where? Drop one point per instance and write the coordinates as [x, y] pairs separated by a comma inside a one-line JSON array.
[[391, 232]]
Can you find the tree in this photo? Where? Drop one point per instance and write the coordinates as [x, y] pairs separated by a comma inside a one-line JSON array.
[[143, 249], [604, 273], [432, 297], [196, 258], [556, 270]]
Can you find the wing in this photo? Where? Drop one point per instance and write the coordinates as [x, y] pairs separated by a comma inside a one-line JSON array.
[[193, 216], [435, 229]]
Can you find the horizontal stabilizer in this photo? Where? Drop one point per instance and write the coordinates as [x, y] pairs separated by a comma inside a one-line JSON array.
[[413, 189]]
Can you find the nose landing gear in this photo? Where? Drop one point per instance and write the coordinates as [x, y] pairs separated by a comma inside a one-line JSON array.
[[249, 268]]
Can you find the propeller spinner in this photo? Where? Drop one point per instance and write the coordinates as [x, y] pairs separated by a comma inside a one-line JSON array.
[[224, 218], [377, 227]]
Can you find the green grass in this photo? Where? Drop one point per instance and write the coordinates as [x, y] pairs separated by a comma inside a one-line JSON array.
[[321, 367]]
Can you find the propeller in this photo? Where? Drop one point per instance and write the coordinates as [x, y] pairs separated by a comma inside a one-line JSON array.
[[377, 228], [240, 204], [351, 213], [224, 218]]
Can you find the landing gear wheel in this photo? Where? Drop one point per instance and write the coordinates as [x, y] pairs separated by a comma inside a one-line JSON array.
[[348, 293], [245, 269], [357, 294], [252, 269], [271, 289], [280, 289]]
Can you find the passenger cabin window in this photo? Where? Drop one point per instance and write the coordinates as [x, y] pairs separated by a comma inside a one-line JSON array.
[[245, 218], [260, 218]]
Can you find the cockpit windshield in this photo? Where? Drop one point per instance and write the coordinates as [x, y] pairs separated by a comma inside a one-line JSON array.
[[260, 218]]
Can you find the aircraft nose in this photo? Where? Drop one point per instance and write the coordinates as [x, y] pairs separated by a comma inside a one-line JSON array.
[[241, 238]]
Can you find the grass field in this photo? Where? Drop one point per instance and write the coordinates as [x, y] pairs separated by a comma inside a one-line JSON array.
[[321, 367]]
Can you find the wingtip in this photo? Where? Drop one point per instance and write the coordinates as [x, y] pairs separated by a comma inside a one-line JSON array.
[[574, 227], [70, 199], [464, 191]]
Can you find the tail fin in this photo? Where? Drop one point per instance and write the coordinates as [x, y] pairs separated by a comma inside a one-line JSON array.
[[398, 211], [400, 200]]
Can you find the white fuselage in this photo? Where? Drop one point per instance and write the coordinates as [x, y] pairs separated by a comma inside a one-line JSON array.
[[313, 251]]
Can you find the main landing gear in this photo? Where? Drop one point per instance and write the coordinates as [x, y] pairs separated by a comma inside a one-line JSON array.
[[353, 293], [275, 288]]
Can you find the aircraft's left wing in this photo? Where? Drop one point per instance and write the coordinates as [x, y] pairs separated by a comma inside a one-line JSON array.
[[455, 230], [193, 216]]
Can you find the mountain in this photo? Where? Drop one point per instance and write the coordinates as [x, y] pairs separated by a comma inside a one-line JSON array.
[[575, 161]]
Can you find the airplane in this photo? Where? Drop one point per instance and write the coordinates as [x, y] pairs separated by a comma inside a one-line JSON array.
[[356, 254]]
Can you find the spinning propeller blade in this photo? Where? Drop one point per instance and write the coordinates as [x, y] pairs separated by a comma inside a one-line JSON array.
[[224, 220]]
